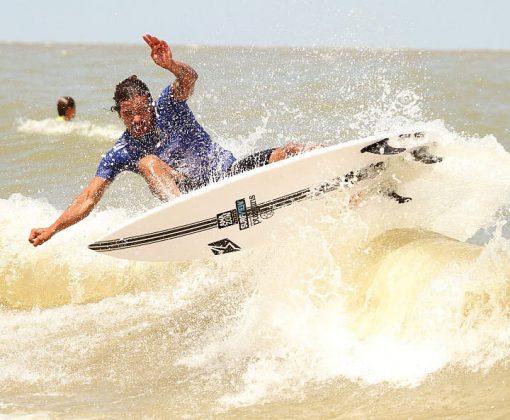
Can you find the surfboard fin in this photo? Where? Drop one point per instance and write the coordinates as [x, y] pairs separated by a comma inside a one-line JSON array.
[[382, 148], [422, 155], [398, 198]]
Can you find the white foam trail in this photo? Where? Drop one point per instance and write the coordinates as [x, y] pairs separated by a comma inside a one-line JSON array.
[[52, 127]]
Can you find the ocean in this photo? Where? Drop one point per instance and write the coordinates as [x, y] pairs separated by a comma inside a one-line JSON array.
[[378, 311]]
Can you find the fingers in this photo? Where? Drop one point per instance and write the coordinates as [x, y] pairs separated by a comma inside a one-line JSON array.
[[149, 39], [33, 234], [38, 241], [37, 237], [152, 41], [33, 238]]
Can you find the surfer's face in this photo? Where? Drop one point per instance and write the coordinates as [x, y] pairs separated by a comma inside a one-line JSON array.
[[138, 115]]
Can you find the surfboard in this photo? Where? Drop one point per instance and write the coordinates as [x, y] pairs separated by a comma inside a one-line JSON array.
[[242, 211]]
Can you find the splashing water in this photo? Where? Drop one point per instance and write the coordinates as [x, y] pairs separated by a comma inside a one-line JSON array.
[[388, 295]]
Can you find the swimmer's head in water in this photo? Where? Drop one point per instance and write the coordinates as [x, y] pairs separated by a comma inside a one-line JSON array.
[[66, 107], [133, 102]]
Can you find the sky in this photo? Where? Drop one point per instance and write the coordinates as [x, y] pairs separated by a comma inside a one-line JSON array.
[[425, 24]]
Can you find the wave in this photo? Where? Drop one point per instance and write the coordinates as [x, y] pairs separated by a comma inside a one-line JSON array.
[[50, 126], [382, 293], [405, 305], [64, 271]]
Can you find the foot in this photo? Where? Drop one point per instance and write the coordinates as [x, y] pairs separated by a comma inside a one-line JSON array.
[[398, 198], [422, 155]]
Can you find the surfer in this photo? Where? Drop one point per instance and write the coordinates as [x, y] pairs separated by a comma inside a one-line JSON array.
[[163, 142], [66, 108]]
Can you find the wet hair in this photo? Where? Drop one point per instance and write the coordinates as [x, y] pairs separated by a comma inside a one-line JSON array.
[[128, 89], [63, 104]]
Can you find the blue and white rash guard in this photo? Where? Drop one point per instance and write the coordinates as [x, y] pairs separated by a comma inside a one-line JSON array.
[[178, 139]]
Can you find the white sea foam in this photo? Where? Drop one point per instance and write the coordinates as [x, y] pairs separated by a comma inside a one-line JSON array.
[[376, 296], [52, 127], [382, 293]]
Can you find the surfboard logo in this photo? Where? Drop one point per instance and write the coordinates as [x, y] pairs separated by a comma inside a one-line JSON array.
[[223, 246], [226, 219], [242, 214]]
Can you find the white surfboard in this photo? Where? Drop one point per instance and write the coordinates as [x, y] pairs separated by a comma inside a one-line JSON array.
[[241, 212]]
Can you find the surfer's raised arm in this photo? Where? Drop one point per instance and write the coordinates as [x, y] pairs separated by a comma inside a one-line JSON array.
[[185, 75], [80, 208]]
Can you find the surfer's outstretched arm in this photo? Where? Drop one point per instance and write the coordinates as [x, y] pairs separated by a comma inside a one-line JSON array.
[[185, 75], [80, 208]]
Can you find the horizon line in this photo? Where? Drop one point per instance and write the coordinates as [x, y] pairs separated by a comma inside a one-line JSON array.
[[194, 45]]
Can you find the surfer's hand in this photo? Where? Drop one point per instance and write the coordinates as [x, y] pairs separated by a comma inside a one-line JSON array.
[[39, 236], [160, 51]]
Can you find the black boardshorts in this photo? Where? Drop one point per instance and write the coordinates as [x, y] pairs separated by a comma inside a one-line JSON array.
[[250, 162], [247, 163]]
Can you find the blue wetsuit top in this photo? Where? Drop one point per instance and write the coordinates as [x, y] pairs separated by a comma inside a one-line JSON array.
[[178, 139]]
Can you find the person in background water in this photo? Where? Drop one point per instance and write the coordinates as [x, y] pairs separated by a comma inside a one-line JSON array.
[[163, 142], [66, 108]]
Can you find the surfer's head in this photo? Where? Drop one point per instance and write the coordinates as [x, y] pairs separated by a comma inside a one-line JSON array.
[[133, 103], [66, 108]]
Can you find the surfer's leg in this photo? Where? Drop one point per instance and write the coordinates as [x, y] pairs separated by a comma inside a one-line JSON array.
[[291, 149], [252, 161], [160, 177], [267, 156]]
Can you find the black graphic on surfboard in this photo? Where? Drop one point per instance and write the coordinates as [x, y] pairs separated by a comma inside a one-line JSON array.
[[223, 246]]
